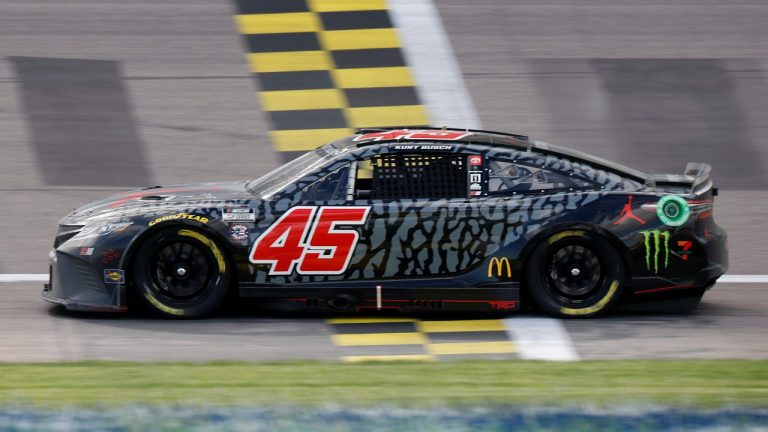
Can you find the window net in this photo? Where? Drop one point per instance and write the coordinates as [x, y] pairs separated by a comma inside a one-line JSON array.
[[404, 176]]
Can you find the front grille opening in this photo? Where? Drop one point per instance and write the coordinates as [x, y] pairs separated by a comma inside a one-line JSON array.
[[65, 233]]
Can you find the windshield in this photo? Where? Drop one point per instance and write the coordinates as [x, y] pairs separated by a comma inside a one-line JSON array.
[[277, 179]]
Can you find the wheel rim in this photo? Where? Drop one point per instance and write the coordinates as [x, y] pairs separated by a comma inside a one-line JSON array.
[[574, 273], [180, 269]]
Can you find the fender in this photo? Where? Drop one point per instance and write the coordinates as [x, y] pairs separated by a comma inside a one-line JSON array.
[[127, 260]]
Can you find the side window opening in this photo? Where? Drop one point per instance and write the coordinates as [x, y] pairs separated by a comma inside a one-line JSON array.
[[331, 187], [506, 177], [411, 176]]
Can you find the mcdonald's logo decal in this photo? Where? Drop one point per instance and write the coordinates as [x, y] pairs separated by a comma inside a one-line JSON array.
[[500, 264]]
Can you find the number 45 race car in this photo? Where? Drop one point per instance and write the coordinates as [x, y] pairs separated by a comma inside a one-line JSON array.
[[404, 219]]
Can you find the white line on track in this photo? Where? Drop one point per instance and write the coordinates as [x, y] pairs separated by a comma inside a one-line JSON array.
[[10, 277], [43, 277], [743, 279], [428, 52], [541, 339]]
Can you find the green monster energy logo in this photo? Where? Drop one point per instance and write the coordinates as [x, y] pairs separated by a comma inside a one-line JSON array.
[[653, 247]]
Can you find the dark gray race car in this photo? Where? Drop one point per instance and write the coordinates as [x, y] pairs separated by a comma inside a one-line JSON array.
[[406, 219]]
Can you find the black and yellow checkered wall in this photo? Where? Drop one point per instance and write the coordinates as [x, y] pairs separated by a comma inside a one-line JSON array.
[[325, 68]]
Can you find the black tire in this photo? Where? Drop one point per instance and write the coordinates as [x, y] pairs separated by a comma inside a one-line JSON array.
[[575, 273], [180, 272]]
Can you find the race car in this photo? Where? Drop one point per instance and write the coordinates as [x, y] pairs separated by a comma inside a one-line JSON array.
[[406, 219]]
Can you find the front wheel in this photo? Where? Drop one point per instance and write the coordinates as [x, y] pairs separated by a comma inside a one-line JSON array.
[[180, 273], [575, 273]]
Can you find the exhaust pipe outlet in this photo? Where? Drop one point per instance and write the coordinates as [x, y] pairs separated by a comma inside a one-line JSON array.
[[342, 302]]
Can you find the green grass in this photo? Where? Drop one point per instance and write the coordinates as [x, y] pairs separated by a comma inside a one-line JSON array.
[[710, 384]]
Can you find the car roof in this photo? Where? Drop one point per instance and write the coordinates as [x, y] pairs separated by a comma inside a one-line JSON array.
[[404, 134]]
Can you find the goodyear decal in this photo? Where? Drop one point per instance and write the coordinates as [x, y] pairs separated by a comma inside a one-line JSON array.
[[326, 67], [177, 216], [654, 241]]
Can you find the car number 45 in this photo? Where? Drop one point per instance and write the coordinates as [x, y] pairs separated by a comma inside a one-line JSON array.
[[307, 236]]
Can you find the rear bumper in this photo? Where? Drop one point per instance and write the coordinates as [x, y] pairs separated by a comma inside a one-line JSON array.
[[712, 257]]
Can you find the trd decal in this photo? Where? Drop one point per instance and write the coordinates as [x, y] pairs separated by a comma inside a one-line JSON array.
[[432, 134], [654, 241], [307, 236], [685, 249], [503, 305], [626, 213]]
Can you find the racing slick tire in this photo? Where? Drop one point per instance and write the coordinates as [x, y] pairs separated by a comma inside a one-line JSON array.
[[180, 272], [575, 273]]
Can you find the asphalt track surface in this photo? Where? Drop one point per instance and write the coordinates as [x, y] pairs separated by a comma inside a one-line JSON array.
[[170, 85]]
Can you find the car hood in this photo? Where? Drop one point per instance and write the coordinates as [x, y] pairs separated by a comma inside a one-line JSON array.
[[138, 201]]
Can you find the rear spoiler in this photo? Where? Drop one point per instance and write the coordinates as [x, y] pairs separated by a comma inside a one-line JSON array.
[[696, 178]]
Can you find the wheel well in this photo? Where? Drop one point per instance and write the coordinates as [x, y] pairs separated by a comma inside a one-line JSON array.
[[543, 235], [139, 241]]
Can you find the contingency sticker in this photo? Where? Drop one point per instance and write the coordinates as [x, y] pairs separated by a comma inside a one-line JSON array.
[[114, 276], [673, 210], [475, 175], [238, 215], [239, 231]]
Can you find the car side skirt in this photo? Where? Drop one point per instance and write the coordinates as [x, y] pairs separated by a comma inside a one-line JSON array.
[[492, 298]]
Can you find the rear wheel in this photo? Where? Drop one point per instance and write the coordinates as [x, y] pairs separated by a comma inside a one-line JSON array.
[[575, 273], [180, 273]]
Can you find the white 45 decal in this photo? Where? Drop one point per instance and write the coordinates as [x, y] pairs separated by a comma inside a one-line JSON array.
[[307, 236]]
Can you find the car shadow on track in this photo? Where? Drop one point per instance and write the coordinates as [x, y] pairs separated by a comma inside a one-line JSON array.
[[251, 310]]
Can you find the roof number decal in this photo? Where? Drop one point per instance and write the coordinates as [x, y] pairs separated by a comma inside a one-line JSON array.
[[414, 134]]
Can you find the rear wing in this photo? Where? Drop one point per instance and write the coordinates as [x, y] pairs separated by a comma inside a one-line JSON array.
[[700, 172], [696, 179]]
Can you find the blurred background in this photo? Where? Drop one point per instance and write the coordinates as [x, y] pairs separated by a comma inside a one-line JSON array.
[[110, 94], [98, 96]]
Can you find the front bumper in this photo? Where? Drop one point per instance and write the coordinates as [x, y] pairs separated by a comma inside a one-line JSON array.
[[75, 284]]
